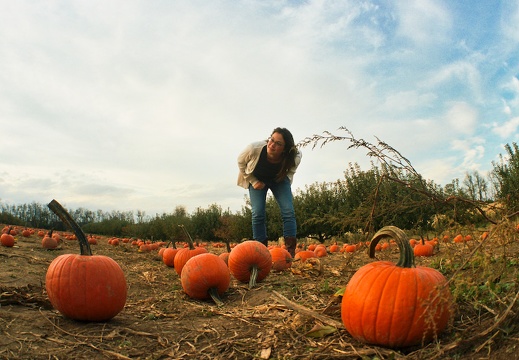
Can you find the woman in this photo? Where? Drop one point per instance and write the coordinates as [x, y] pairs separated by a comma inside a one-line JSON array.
[[271, 164]]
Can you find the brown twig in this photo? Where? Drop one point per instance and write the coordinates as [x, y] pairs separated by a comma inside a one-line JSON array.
[[305, 311]]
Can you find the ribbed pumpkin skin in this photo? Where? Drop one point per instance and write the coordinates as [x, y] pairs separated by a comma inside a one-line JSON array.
[[168, 256], [395, 307], [225, 257], [183, 255], [399, 304], [203, 272], [246, 254], [86, 288]]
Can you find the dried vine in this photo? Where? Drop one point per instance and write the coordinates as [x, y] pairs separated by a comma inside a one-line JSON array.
[[395, 164]]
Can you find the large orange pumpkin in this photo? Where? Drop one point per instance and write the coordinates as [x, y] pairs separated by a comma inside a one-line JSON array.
[[205, 276], [396, 305], [250, 261], [84, 287]]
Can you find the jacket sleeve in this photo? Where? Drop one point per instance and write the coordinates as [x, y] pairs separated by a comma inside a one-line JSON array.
[[245, 175]]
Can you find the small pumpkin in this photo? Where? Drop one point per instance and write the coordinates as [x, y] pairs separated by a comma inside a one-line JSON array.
[[49, 242], [225, 255], [281, 259], [396, 305], [304, 254], [186, 253], [250, 261], [84, 287], [6, 239], [168, 256], [350, 248], [423, 248], [205, 276], [334, 248], [459, 239], [320, 251]]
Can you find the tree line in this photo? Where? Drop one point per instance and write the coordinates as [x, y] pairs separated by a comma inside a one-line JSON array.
[[388, 193]]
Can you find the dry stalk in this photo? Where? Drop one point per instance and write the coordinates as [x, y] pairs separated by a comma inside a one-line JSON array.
[[305, 311]]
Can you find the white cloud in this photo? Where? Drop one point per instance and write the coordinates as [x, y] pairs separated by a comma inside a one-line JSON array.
[[510, 20], [511, 89], [508, 129], [405, 101], [461, 118], [472, 150], [424, 22], [440, 170], [459, 75]]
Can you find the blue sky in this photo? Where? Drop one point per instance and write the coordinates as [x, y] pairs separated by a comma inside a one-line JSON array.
[[145, 105]]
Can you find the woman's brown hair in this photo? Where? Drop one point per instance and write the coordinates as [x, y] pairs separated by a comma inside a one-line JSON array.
[[289, 152]]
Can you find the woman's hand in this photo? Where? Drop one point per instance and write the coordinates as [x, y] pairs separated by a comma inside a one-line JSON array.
[[258, 185]]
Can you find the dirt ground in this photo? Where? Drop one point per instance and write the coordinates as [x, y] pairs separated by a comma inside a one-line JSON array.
[[274, 320]]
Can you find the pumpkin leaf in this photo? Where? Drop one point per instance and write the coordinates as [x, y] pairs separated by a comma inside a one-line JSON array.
[[319, 331], [340, 292]]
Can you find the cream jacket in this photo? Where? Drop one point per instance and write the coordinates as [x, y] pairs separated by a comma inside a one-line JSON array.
[[248, 160]]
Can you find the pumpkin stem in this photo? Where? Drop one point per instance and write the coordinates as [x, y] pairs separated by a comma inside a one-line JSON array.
[[213, 292], [227, 245], [406, 259], [64, 216], [189, 238], [253, 276]]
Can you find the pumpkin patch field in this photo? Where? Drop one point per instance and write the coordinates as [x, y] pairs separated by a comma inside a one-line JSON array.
[[292, 312]]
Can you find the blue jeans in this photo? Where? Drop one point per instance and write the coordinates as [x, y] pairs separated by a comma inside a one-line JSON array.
[[283, 195]]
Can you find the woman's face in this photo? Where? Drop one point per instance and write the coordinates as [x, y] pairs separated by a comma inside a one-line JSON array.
[[275, 145]]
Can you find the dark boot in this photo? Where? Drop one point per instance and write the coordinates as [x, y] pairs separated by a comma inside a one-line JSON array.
[[264, 242], [290, 245]]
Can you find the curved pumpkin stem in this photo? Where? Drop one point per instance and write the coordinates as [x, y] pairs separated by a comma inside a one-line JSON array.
[[253, 276], [406, 259], [227, 245], [189, 238], [213, 292], [64, 216]]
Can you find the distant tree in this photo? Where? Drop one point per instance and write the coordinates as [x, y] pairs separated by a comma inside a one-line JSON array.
[[505, 175], [476, 186], [8, 218], [232, 228], [317, 210], [453, 188], [205, 221]]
